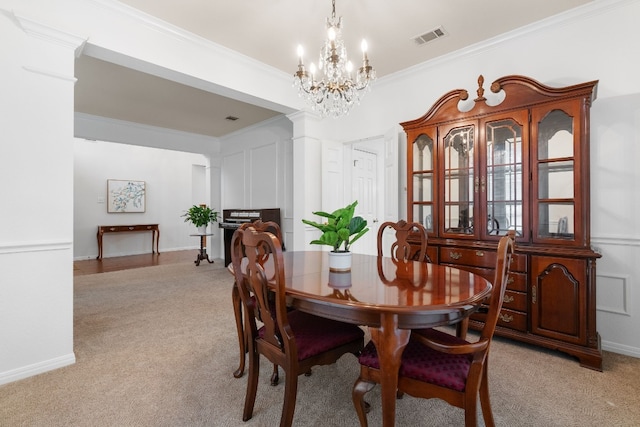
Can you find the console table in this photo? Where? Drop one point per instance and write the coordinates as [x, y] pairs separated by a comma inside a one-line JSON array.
[[155, 237]]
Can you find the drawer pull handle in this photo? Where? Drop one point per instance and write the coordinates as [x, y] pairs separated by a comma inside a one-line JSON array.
[[112, 229], [510, 280], [131, 228], [479, 253], [508, 298], [506, 318], [455, 255]]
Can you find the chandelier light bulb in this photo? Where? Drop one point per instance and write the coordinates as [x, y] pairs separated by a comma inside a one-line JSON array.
[[349, 67], [300, 52], [331, 33]]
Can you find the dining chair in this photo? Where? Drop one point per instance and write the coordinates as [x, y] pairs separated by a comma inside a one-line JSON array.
[[439, 365], [273, 228], [294, 340], [401, 249]]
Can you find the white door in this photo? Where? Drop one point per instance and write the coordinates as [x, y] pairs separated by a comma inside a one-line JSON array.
[[365, 191]]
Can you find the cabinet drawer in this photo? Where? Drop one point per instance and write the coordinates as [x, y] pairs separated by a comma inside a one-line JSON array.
[[517, 282], [515, 300], [518, 263], [508, 318], [474, 257], [432, 254]]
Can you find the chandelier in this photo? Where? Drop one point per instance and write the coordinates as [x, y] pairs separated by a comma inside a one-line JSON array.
[[336, 91]]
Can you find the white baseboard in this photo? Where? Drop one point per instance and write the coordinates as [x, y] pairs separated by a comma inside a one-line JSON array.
[[37, 368], [621, 349]]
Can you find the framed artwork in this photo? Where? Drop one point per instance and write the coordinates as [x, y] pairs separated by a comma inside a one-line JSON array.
[[125, 196]]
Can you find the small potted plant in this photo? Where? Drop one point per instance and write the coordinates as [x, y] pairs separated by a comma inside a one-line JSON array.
[[340, 231], [200, 216]]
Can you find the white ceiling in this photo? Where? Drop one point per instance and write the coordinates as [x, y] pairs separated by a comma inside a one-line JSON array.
[[270, 32]]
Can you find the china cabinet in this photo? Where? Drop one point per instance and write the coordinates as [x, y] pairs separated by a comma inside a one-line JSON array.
[[518, 161]]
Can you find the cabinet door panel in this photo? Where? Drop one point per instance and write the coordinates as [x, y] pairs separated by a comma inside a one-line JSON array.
[[459, 148], [558, 298], [560, 191], [503, 175], [422, 156]]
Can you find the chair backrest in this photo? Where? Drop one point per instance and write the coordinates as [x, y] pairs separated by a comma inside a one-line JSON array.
[[259, 271], [270, 226], [401, 249], [503, 263]]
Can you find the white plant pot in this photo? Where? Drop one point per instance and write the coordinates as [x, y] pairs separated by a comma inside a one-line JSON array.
[[202, 229], [339, 279], [339, 261]]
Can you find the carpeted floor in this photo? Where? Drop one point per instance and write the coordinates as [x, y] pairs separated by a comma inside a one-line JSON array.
[[156, 346]]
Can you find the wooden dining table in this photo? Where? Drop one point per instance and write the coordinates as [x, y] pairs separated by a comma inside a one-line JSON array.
[[390, 298]]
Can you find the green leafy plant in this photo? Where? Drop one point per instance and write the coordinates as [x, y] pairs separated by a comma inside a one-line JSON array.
[[341, 228], [200, 215]]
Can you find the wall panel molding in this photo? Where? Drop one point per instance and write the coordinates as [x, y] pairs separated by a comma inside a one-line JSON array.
[[35, 246]]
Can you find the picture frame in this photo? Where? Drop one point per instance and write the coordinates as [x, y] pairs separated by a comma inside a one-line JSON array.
[[126, 195]]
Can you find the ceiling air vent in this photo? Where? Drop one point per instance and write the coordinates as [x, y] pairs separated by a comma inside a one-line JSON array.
[[429, 36]]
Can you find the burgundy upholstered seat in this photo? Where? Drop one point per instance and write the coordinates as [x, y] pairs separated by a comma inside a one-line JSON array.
[[315, 335], [425, 364]]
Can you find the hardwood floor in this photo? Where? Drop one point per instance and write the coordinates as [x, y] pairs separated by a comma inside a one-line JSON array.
[[93, 266]]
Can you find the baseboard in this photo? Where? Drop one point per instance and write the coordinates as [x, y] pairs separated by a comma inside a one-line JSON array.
[[37, 368], [621, 349]]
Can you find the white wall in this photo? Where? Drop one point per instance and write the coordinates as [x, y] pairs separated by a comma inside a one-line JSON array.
[[168, 178], [36, 171], [257, 170]]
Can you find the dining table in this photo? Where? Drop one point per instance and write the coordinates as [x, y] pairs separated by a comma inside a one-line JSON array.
[[389, 297]]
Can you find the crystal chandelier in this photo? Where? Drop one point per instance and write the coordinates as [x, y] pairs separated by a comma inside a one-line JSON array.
[[336, 91]]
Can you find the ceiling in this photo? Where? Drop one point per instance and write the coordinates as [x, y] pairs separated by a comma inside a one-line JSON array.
[[270, 31]]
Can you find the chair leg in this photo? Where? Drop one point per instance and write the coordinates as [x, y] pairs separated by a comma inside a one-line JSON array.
[[275, 376], [290, 394], [252, 383], [485, 402], [360, 388], [237, 311], [471, 407]]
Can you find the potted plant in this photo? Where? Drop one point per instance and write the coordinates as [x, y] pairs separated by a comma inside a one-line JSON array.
[[340, 231], [200, 216]]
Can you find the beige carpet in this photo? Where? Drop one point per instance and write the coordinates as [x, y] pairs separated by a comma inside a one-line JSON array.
[[156, 346]]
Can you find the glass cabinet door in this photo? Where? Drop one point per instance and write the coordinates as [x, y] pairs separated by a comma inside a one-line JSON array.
[[459, 146], [423, 181], [502, 188], [556, 189]]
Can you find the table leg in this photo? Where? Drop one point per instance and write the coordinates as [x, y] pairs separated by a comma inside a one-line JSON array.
[[99, 245], [390, 343], [202, 255]]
